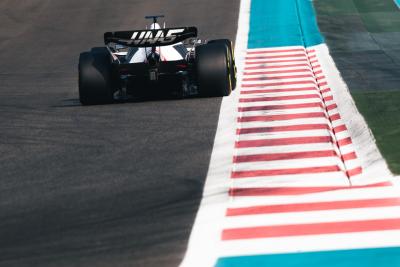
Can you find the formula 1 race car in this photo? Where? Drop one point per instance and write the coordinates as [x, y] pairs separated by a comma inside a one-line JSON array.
[[153, 61]]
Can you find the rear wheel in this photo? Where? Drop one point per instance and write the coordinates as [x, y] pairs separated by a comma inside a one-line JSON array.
[[233, 70], [213, 70], [95, 77]]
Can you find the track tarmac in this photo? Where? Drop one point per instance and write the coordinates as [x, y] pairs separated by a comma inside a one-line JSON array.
[[108, 185]]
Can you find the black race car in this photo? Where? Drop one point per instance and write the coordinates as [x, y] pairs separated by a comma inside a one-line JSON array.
[[156, 60]]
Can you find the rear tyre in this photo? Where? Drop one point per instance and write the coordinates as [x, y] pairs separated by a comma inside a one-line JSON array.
[[232, 63], [213, 70], [95, 77]]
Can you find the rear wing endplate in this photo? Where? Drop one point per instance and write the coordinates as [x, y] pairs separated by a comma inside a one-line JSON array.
[[150, 38]]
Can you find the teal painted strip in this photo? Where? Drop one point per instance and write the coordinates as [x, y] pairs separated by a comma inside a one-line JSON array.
[[283, 23], [382, 257], [397, 3]]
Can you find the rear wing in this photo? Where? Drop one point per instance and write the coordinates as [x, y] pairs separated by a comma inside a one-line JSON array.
[[150, 38]]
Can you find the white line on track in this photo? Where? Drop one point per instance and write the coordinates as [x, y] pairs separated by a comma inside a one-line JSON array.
[[313, 217]]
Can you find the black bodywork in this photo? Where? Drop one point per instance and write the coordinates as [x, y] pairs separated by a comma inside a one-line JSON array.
[[106, 73], [153, 76]]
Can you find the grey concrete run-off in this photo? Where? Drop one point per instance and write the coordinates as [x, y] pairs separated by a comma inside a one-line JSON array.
[[111, 185]]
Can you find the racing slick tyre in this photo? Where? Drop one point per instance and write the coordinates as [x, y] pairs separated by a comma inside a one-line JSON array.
[[213, 70], [229, 44], [95, 77]]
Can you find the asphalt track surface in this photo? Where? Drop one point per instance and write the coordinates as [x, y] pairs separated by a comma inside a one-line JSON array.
[[111, 185], [364, 39]]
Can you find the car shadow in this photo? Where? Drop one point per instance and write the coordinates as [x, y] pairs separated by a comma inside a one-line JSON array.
[[74, 102]]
